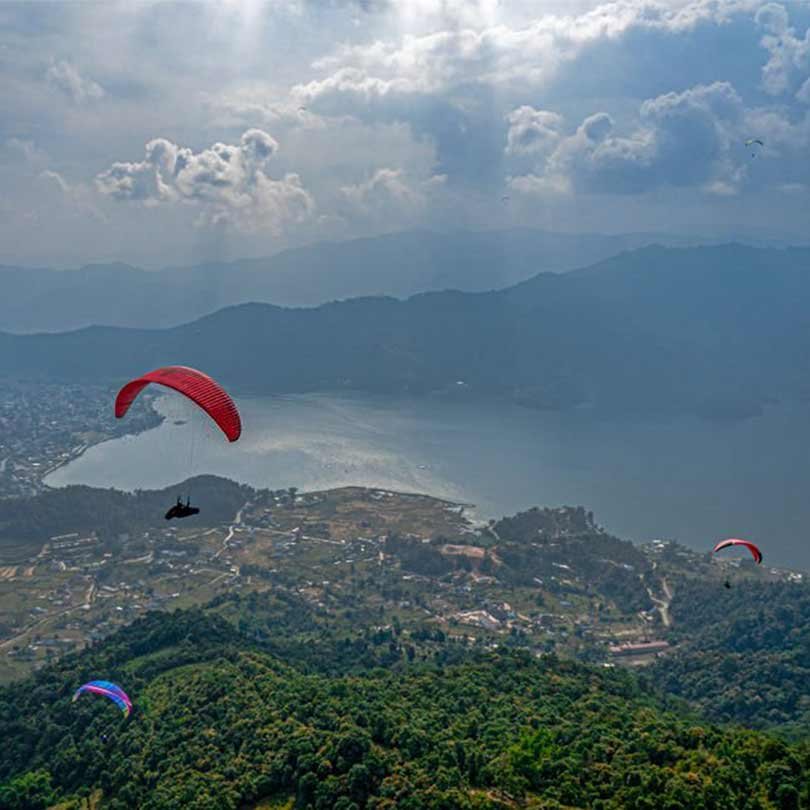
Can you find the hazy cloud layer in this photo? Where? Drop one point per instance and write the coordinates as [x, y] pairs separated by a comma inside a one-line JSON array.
[[66, 78], [390, 194], [240, 128]]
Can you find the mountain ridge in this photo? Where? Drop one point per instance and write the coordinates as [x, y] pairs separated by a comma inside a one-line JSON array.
[[656, 330], [399, 264]]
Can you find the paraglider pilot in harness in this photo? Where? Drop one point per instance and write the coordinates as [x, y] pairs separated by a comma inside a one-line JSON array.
[[181, 510]]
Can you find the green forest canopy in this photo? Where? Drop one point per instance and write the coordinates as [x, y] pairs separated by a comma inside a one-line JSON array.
[[219, 723]]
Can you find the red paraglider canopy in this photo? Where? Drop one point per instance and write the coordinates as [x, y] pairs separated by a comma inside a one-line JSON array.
[[198, 387], [755, 552]]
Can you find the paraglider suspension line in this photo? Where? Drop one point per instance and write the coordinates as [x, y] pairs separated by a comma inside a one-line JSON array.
[[194, 423]]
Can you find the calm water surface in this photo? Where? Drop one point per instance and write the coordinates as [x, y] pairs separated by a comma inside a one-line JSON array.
[[684, 478]]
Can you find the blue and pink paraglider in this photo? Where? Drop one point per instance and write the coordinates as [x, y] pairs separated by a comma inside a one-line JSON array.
[[110, 690]]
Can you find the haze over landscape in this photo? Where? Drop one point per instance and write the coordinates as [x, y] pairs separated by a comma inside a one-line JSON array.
[[379, 300], [400, 265]]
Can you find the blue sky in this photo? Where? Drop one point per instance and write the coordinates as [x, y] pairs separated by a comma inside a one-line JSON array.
[[167, 133]]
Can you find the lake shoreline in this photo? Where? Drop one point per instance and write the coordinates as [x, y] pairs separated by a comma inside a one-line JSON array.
[[684, 478], [75, 454]]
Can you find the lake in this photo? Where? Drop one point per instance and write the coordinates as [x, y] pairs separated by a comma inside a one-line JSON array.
[[687, 479]]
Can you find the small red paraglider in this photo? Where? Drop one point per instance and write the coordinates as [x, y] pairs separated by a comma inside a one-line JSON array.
[[733, 541]]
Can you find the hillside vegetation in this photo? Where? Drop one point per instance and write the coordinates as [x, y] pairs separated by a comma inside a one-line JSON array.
[[109, 512], [344, 581], [743, 654], [219, 723]]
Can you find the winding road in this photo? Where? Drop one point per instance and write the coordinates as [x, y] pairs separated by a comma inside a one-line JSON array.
[[237, 521], [663, 604]]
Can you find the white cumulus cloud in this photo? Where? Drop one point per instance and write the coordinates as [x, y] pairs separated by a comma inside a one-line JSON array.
[[789, 53], [229, 183], [682, 139], [533, 131], [500, 53]]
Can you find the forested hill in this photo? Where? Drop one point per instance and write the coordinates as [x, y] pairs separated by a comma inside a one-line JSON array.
[[79, 508], [717, 330], [220, 723], [742, 655]]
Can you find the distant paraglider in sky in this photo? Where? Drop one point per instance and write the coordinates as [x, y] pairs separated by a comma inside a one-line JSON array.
[[752, 143], [109, 690]]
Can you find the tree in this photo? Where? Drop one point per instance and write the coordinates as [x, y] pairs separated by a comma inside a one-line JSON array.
[[359, 783], [787, 797], [307, 785], [28, 791]]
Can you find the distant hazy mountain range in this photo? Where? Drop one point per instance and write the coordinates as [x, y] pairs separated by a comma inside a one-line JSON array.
[[717, 330], [399, 265]]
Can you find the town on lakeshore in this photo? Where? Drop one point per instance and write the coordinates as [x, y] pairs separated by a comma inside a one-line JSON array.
[[547, 579]]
